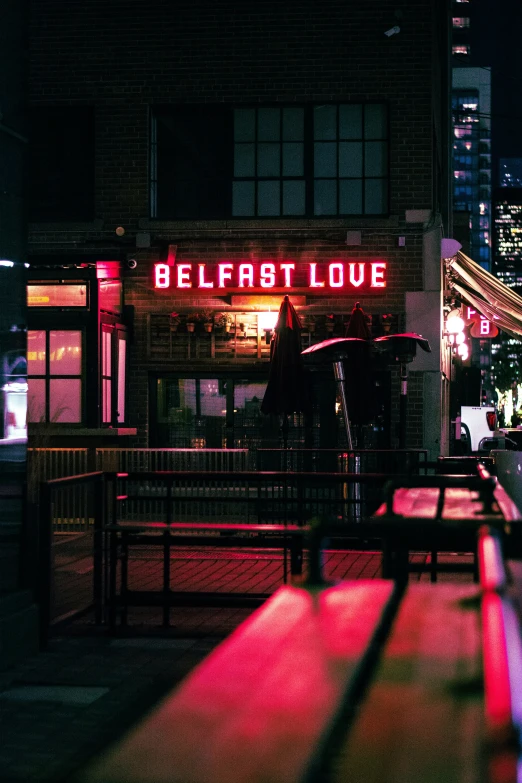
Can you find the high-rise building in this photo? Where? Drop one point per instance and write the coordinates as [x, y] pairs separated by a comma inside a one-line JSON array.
[[471, 105], [510, 173], [508, 235]]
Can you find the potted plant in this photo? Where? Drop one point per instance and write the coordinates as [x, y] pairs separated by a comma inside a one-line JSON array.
[[207, 317], [330, 322], [386, 320], [175, 321], [223, 321], [192, 319]]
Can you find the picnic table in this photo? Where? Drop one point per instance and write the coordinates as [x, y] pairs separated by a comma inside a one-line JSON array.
[[371, 681]]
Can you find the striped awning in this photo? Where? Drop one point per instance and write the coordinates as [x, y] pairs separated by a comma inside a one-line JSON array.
[[486, 294]]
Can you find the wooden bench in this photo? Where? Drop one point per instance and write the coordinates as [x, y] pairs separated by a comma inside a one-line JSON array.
[[357, 681], [288, 538]]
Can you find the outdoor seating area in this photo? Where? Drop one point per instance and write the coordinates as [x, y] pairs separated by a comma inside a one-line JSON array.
[[384, 671]]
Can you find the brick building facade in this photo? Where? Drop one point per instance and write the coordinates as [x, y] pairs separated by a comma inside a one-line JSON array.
[[215, 132]]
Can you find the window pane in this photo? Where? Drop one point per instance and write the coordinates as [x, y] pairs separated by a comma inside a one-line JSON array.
[[293, 124], [122, 352], [65, 400], [325, 120], [375, 197], [350, 159], [268, 124], [375, 122], [106, 353], [243, 199], [293, 160], [35, 400], [268, 164], [244, 125], [244, 160], [65, 353], [325, 197], [350, 122], [268, 198], [293, 198], [325, 159], [375, 162], [350, 196], [60, 295], [106, 400], [35, 353]]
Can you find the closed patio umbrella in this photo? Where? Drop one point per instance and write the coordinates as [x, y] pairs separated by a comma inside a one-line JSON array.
[[287, 391]]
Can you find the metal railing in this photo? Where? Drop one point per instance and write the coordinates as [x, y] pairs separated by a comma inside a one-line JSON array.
[[131, 460], [44, 464], [69, 578]]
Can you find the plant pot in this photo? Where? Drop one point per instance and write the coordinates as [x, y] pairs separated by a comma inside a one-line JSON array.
[[207, 327], [191, 327]]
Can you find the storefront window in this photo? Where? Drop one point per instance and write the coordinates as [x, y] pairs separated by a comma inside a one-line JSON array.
[[54, 367]]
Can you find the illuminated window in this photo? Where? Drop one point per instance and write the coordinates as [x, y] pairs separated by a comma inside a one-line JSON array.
[[54, 369], [460, 21], [461, 132], [279, 161], [113, 375], [460, 49], [57, 295]]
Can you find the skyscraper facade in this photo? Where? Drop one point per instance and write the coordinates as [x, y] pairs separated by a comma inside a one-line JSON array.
[[508, 235]]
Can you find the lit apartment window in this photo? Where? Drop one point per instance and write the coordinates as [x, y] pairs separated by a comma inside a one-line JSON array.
[[460, 21], [54, 369], [461, 132], [460, 49]]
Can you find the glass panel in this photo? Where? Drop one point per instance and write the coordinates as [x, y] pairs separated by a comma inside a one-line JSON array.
[[268, 124], [293, 124], [106, 400], [375, 122], [293, 198], [244, 160], [268, 163], [243, 199], [350, 159], [325, 122], [106, 353], [293, 165], [268, 195], [65, 353], [350, 121], [249, 422], [325, 197], [375, 158], [375, 197], [244, 124], [110, 295], [72, 295], [325, 159], [35, 399], [36, 353], [122, 378], [65, 400], [350, 195]]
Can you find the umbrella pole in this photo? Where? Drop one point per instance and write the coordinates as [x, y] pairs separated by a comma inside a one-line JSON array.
[[340, 378], [403, 404]]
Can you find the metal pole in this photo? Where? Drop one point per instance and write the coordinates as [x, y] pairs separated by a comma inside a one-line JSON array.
[[340, 378], [403, 405]]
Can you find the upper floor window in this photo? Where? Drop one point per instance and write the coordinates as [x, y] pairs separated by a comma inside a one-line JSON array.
[[60, 177], [460, 49], [460, 21], [277, 161]]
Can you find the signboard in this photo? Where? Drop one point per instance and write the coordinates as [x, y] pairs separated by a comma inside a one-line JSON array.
[[481, 327], [275, 276]]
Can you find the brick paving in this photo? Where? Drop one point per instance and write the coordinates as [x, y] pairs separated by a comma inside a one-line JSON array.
[[59, 709]]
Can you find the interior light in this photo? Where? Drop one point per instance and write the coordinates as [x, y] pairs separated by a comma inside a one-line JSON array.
[[459, 338], [267, 320], [454, 323], [4, 262]]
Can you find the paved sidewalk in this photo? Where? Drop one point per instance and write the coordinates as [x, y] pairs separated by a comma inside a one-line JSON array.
[[61, 708]]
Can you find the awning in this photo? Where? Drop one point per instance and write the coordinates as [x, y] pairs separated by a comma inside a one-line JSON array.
[[486, 294]]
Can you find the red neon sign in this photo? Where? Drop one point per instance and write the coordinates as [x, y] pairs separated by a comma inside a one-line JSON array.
[[480, 326], [228, 275]]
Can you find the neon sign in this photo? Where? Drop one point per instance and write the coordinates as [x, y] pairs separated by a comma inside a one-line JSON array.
[[480, 326], [336, 275]]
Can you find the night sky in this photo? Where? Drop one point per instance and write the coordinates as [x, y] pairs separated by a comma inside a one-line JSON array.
[[496, 41]]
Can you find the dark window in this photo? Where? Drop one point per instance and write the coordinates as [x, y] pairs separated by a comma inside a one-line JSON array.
[[61, 163], [270, 161]]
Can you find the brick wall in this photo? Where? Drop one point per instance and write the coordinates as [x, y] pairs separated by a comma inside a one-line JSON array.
[[125, 55]]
